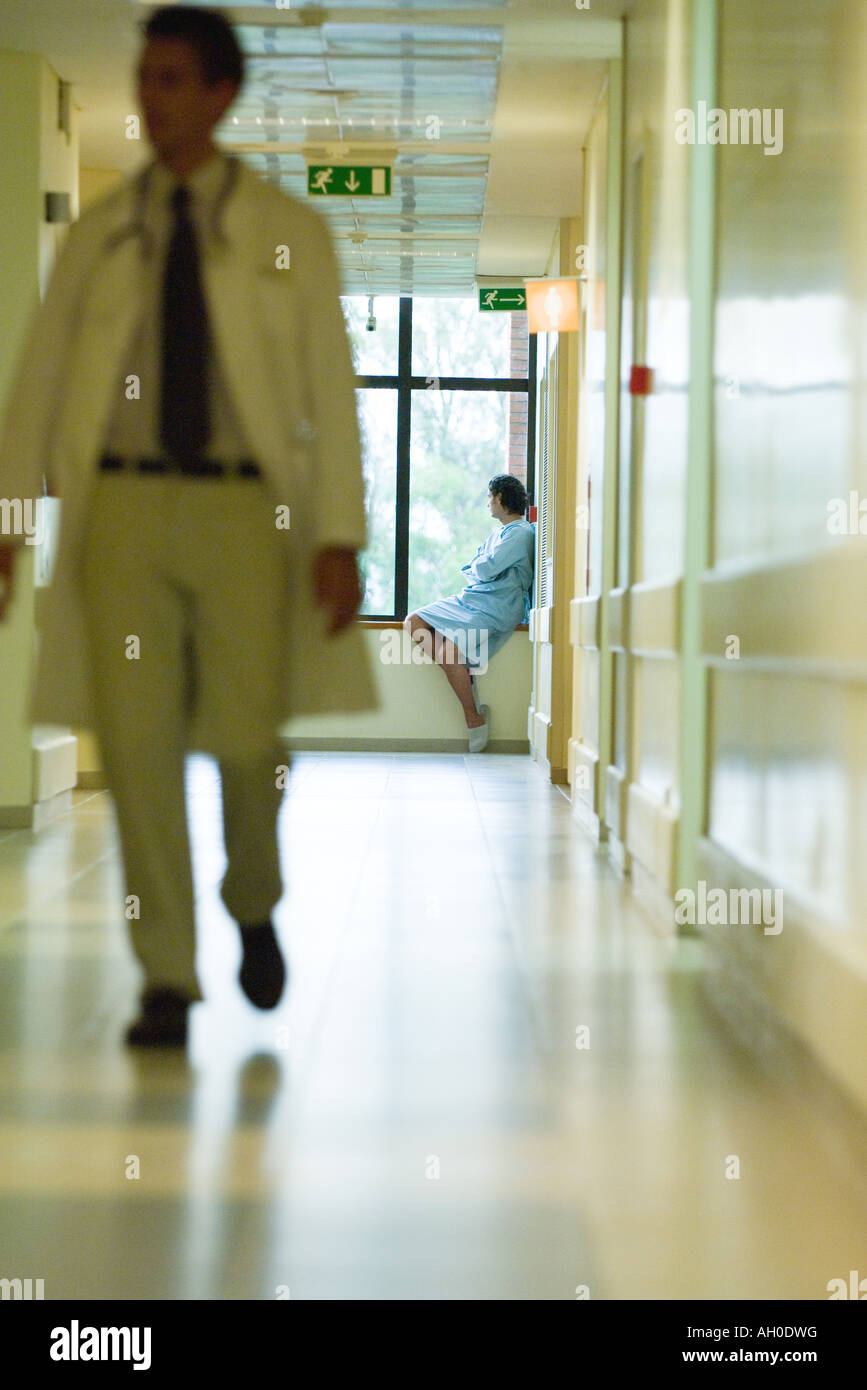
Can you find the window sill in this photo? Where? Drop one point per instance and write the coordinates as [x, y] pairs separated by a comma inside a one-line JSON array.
[[393, 623]]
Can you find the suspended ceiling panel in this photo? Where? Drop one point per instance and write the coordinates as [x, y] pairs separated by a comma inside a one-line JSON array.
[[419, 97], [480, 109]]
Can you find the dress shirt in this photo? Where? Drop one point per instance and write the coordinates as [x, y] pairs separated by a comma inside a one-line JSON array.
[[133, 429]]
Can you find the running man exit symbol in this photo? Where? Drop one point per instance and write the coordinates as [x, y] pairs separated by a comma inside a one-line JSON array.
[[346, 181], [512, 300]]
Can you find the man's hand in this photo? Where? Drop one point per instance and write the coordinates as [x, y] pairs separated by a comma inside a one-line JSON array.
[[338, 585], [7, 571]]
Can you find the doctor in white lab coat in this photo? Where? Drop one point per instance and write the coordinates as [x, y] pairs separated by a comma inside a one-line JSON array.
[[192, 611]]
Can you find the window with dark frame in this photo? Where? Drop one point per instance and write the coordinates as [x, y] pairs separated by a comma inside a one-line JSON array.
[[423, 561]]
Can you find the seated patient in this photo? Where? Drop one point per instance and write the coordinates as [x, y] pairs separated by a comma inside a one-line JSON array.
[[474, 624]]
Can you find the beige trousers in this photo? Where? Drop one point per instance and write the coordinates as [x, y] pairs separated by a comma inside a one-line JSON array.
[[185, 594]]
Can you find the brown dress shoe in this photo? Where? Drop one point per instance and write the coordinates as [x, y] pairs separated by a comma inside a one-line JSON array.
[[162, 1021]]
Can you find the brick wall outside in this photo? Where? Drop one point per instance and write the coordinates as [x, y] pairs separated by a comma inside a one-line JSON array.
[[516, 434]]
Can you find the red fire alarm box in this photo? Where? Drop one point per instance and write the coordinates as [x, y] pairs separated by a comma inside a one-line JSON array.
[[641, 381]]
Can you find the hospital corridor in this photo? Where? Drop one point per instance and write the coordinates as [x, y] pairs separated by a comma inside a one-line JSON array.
[[521, 338]]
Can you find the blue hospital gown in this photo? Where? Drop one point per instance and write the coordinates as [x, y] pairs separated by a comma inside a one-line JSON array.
[[496, 598]]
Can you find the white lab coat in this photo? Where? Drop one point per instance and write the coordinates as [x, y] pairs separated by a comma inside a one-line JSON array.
[[285, 356]]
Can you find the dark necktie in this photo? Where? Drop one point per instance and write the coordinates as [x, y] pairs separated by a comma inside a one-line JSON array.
[[184, 415]]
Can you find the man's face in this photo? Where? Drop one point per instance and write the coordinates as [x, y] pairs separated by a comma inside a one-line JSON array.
[[180, 109]]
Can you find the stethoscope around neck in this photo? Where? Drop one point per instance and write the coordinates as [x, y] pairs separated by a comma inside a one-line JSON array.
[[138, 227]]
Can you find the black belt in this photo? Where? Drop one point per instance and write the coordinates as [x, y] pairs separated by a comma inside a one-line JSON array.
[[196, 468]]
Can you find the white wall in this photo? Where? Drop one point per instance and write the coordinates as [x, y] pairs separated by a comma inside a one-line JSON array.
[[418, 706], [35, 157], [418, 710]]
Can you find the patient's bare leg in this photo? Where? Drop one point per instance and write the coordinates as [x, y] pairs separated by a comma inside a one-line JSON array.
[[458, 677], [446, 654]]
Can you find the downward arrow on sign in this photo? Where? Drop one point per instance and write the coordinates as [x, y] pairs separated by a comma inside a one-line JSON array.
[[352, 182]]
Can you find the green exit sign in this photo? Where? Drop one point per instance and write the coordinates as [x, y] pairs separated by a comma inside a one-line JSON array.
[[506, 299], [349, 181]]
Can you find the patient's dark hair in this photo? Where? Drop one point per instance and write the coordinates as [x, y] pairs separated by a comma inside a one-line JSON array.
[[510, 492], [208, 32]]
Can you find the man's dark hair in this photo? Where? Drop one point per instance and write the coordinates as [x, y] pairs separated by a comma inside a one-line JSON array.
[[208, 32], [510, 492]]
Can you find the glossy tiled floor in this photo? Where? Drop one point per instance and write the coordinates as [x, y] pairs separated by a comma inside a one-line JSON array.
[[415, 1121]]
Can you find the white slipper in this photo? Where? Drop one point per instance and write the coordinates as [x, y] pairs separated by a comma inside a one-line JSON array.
[[479, 736]]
